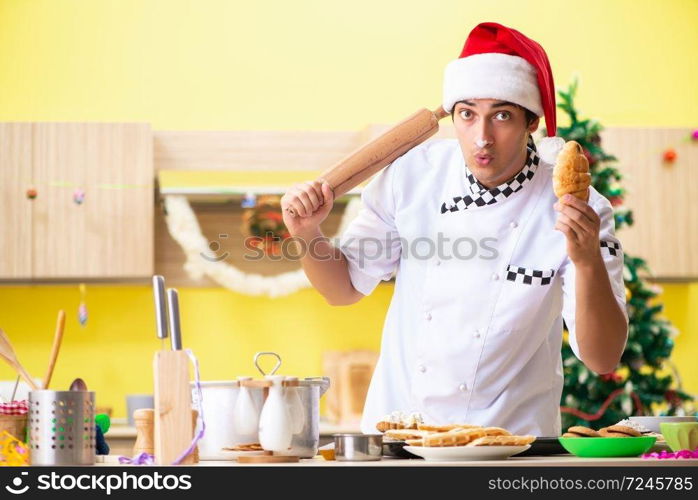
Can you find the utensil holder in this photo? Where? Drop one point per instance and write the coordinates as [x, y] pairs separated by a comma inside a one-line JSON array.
[[61, 427]]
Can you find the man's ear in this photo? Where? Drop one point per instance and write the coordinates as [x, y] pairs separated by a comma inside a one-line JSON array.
[[534, 125]]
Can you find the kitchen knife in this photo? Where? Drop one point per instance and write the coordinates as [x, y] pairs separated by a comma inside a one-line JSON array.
[[173, 310], [160, 307]]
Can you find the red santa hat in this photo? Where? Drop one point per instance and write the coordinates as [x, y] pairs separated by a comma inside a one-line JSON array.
[[501, 63]]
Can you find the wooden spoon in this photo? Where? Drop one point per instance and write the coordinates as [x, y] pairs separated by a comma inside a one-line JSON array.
[[57, 339], [8, 354]]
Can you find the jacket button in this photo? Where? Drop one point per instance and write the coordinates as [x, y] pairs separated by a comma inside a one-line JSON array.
[[438, 262], [462, 388], [477, 334], [495, 276], [428, 316], [513, 224], [421, 368]]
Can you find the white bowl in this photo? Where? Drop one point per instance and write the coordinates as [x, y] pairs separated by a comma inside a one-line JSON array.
[[652, 423]]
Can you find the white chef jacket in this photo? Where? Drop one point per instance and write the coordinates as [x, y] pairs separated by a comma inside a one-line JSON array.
[[470, 340]]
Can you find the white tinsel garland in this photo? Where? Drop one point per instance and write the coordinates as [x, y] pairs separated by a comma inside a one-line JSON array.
[[184, 228]]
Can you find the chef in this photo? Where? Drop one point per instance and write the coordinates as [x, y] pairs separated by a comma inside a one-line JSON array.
[[487, 260]]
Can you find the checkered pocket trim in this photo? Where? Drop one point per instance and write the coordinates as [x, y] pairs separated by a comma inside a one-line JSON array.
[[612, 247], [529, 276]]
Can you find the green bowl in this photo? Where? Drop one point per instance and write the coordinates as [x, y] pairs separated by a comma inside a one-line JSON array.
[[607, 446], [681, 435]]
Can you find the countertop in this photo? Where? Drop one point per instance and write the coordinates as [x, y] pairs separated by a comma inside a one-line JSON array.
[[120, 431], [544, 461]]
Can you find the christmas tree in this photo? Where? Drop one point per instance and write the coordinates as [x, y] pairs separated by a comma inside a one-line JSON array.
[[641, 384]]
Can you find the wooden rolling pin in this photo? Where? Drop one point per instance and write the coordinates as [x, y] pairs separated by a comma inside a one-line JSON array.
[[381, 152]]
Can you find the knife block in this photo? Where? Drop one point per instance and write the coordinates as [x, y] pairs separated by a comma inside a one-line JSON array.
[[173, 430]]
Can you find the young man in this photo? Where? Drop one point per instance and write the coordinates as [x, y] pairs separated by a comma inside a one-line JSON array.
[[488, 260]]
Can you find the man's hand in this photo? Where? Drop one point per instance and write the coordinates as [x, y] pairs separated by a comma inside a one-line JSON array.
[[600, 325], [311, 203], [580, 224]]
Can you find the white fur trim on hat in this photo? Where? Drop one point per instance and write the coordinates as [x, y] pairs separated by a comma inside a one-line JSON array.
[[492, 76], [549, 147]]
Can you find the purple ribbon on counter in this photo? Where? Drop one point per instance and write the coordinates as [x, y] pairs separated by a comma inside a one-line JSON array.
[[140, 459], [667, 454]]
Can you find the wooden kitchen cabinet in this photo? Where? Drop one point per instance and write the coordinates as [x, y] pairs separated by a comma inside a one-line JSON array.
[[109, 235], [15, 210]]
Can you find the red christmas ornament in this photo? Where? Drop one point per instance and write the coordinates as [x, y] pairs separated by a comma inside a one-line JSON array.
[[672, 398], [32, 193], [611, 377], [670, 155], [616, 200]]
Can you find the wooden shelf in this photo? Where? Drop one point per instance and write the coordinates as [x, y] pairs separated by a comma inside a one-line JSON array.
[[236, 183]]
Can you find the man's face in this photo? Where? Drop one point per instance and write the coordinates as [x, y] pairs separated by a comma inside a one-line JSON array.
[[492, 136]]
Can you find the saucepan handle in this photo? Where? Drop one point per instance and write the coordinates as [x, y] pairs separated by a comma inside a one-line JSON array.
[[267, 353]]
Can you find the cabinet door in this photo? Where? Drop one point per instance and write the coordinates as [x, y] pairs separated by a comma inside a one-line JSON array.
[[661, 195], [15, 207], [109, 235]]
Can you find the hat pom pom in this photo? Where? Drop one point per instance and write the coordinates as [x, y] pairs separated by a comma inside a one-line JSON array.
[[549, 147]]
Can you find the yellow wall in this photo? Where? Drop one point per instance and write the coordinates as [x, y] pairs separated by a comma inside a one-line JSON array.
[[681, 308], [323, 65], [114, 351]]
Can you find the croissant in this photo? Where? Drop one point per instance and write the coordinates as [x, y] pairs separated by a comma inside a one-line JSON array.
[[571, 172]]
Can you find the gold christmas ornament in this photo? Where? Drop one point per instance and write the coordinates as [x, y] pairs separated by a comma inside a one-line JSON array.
[[263, 224]]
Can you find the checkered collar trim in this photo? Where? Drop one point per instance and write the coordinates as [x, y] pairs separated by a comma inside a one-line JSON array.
[[479, 196]]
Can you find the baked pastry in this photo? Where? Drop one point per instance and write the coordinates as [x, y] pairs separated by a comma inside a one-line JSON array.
[[385, 425], [453, 438], [459, 435], [580, 431], [619, 431], [399, 420], [496, 431], [446, 428], [403, 434], [571, 172], [502, 441], [245, 447]]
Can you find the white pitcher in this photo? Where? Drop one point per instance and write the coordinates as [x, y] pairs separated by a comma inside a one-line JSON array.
[[295, 407], [275, 429], [245, 411]]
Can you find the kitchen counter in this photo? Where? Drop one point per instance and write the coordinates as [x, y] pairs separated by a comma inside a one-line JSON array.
[[543, 461], [122, 437]]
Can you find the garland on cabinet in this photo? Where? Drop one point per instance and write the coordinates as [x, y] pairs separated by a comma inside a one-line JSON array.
[[183, 226]]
